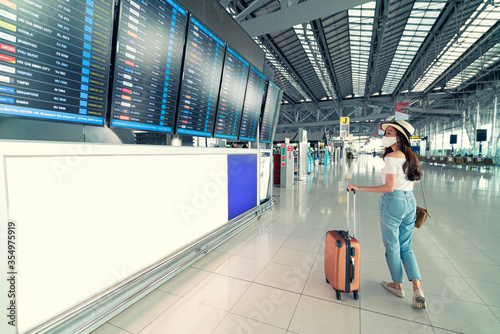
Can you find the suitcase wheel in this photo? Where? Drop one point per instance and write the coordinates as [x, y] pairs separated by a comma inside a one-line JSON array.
[[356, 294], [339, 296]]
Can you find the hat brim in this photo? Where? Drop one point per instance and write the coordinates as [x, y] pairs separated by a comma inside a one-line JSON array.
[[396, 126]]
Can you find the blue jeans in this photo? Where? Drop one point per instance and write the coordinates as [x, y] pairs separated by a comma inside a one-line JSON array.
[[397, 222]]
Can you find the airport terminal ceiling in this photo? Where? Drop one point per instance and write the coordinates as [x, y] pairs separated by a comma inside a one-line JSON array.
[[359, 58]]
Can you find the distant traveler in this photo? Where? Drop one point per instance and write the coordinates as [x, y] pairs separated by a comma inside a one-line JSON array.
[[398, 208]]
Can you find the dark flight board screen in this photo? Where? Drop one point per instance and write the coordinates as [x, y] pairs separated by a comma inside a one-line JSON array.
[[54, 59], [148, 65], [253, 105], [231, 96], [202, 72], [266, 126]]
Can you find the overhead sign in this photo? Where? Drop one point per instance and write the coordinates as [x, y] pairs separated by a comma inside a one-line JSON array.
[[344, 127], [402, 111]]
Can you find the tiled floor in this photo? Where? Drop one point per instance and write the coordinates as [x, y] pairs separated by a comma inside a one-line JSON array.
[[269, 278]]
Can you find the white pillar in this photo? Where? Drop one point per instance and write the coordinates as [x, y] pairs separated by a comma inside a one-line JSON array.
[[477, 128], [494, 140]]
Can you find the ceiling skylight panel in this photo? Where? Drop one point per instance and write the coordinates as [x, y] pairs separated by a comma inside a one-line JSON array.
[[485, 16], [425, 12], [311, 48], [481, 64], [279, 66], [360, 36]]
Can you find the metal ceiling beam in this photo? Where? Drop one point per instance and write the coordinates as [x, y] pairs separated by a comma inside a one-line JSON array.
[[470, 52], [323, 47], [452, 11], [268, 42], [381, 11], [326, 123], [247, 11], [384, 100], [430, 38], [435, 111], [303, 12]]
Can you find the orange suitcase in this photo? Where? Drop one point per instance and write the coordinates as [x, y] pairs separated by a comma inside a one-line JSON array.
[[342, 258]]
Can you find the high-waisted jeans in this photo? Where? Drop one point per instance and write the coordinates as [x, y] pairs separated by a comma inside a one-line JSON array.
[[397, 222]]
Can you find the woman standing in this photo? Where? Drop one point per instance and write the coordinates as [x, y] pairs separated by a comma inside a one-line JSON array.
[[398, 208]]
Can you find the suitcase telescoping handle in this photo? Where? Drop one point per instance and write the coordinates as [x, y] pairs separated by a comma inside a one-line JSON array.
[[349, 213]]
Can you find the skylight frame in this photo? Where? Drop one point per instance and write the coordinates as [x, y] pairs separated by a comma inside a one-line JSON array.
[[421, 20], [360, 20], [483, 18], [305, 34]]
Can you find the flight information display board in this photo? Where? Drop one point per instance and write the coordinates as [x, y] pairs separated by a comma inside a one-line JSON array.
[[54, 59], [253, 105], [202, 72], [231, 96], [148, 65], [267, 123]]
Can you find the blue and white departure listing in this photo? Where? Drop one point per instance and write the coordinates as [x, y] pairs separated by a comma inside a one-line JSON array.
[[202, 72], [231, 96], [266, 126], [54, 59], [252, 107], [148, 64]]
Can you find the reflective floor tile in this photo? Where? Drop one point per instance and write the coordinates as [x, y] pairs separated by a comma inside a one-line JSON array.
[[376, 323], [218, 291], [109, 329], [241, 267], [489, 292], [283, 277], [263, 252], [211, 261], [268, 305], [186, 316], [295, 257], [143, 312], [183, 282], [269, 239], [461, 316], [235, 324], [373, 297], [305, 244], [320, 316]]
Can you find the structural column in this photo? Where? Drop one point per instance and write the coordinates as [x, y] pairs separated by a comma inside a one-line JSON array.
[[494, 140]]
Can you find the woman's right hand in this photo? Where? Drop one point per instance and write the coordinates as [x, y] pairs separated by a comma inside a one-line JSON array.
[[352, 186]]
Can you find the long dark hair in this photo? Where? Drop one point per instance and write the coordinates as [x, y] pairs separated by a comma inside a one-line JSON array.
[[412, 165]]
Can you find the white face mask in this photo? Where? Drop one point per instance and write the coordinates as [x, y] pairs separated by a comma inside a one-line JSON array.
[[388, 141]]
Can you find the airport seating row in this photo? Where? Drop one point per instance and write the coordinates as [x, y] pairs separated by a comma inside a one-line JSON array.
[[461, 161]]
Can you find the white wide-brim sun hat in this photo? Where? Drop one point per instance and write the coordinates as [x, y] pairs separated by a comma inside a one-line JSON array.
[[403, 126]]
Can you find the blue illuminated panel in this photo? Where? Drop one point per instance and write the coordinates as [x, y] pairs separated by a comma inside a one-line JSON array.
[[242, 183]]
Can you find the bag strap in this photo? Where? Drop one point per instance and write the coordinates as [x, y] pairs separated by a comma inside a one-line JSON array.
[[423, 195]]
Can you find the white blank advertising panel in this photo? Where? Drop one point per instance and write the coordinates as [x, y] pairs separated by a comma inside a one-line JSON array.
[[87, 221]]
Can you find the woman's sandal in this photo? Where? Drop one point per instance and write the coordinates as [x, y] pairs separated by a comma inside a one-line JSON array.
[[419, 299], [399, 293]]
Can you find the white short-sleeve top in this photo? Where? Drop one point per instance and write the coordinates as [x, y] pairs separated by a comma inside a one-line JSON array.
[[395, 166]]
